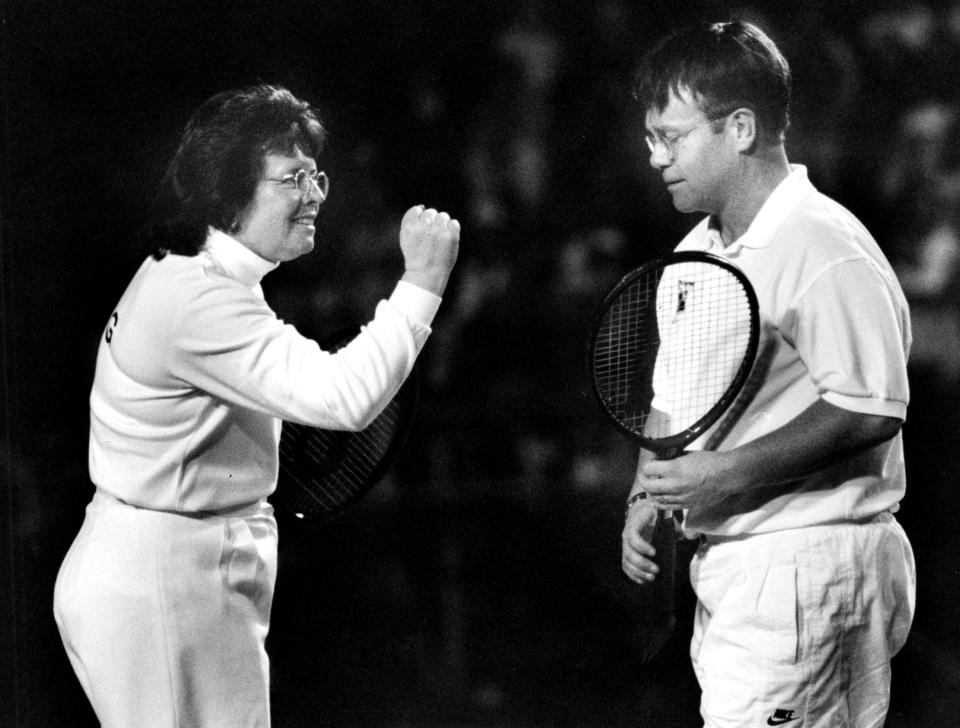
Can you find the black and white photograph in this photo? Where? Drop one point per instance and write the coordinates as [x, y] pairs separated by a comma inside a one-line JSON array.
[[491, 364]]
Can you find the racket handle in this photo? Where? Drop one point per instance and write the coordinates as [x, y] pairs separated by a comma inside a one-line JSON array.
[[659, 617], [665, 542]]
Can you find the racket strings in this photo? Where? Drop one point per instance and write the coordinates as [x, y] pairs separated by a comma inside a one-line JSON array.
[[324, 471], [328, 469], [672, 340]]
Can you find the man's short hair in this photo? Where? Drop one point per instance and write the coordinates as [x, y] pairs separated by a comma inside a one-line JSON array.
[[725, 66], [219, 162]]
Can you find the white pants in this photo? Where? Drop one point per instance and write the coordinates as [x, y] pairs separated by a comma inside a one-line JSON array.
[[164, 616], [797, 628]]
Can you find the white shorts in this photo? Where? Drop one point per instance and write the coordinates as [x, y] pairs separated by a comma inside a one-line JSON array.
[[797, 628], [164, 616]]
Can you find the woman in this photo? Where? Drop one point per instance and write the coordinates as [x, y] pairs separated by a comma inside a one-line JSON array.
[[163, 601]]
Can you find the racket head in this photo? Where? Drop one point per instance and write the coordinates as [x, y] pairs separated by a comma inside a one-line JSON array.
[[325, 472], [698, 313]]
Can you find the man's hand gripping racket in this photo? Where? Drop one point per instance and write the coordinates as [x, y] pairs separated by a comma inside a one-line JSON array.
[[673, 344]]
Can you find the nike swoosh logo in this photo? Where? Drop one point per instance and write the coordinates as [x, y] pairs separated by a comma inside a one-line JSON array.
[[780, 721]]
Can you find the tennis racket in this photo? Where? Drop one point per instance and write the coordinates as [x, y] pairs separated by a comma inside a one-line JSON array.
[[673, 344], [324, 472]]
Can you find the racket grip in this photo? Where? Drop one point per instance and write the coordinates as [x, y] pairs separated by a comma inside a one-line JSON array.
[[659, 616], [665, 542]]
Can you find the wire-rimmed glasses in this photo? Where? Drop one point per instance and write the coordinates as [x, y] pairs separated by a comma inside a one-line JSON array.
[[303, 182], [669, 142]]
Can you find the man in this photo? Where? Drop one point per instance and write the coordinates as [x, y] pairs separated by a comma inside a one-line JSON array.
[[805, 582]]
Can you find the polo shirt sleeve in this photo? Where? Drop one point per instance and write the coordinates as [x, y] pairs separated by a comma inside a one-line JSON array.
[[849, 329]]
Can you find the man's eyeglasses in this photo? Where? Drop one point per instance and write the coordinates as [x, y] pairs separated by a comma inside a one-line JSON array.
[[303, 182], [669, 142]]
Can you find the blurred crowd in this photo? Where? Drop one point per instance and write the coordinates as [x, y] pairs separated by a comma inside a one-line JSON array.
[[544, 164], [533, 141], [517, 118]]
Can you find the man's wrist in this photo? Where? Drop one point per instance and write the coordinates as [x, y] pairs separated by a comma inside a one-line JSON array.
[[633, 500]]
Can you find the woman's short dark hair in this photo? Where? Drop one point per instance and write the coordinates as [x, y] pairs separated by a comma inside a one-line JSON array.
[[725, 66], [219, 162]]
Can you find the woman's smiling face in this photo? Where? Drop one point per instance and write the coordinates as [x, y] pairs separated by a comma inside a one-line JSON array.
[[277, 224]]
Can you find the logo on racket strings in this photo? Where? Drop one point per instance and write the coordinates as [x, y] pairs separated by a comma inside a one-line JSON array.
[[684, 289]]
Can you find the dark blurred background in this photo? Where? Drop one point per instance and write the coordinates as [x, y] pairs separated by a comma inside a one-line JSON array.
[[479, 585]]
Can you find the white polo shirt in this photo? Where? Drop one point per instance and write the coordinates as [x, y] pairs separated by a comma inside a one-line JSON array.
[[701, 347], [195, 373], [834, 325]]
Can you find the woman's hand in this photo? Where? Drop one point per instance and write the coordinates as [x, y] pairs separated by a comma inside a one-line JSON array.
[[430, 242]]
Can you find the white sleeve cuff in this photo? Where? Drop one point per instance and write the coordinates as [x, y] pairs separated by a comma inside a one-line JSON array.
[[416, 303], [867, 405]]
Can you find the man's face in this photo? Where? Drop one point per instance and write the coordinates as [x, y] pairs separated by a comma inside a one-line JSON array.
[[277, 224], [696, 163]]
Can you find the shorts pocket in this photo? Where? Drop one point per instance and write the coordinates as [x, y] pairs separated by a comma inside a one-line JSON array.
[[776, 614]]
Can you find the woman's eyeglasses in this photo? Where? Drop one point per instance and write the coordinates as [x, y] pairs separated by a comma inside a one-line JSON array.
[[303, 182]]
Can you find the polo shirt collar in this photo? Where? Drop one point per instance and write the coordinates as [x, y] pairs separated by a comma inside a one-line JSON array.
[[236, 259], [784, 198]]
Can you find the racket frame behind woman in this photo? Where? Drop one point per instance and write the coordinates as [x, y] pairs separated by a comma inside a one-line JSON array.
[[323, 473]]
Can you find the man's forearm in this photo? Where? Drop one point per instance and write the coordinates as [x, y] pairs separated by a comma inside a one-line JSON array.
[[818, 437]]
